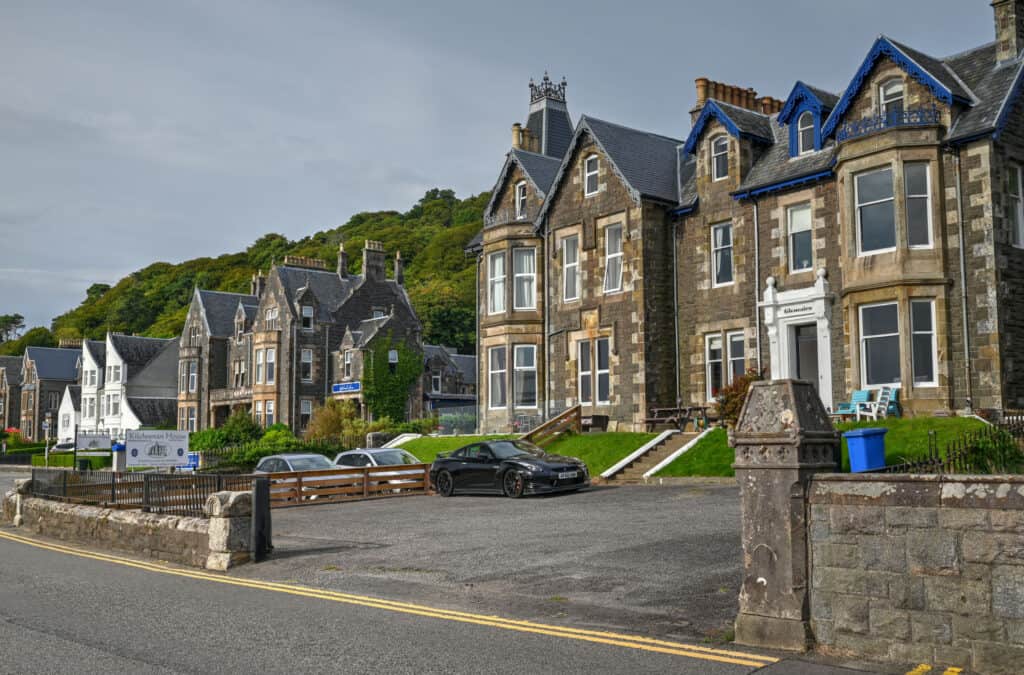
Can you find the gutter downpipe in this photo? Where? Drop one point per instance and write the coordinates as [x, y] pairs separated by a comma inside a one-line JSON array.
[[544, 338], [757, 281], [479, 342], [963, 279], [675, 306]]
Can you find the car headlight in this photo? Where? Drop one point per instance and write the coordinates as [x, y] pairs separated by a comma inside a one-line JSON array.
[[529, 468]]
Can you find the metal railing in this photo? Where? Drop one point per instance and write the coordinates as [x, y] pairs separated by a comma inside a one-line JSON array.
[[913, 117], [509, 215], [994, 449], [175, 494]]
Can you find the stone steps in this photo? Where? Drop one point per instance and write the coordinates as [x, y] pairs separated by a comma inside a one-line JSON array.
[[634, 472]]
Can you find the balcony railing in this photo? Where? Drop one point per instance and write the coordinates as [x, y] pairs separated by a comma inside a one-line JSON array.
[[509, 215], [915, 117]]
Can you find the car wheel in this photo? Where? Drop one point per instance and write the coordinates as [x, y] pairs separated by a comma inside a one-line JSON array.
[[445, 484], [514, 484]]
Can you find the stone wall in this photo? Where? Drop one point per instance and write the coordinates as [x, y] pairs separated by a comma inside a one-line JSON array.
[[922, 569]]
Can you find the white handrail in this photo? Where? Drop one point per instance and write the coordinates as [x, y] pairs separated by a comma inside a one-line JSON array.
[[638, 453], [672, 457]]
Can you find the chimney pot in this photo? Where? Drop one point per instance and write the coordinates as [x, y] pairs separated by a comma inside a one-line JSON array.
[[702, 90], [517, 135]]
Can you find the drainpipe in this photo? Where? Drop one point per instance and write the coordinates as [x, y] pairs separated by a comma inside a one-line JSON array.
[[963, 278], [544, 338], [479, 344], [757, 282], [327, 362], [675, 307], [295, 380]]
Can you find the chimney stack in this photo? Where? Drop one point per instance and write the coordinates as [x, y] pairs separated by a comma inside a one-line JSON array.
[[373, 260], [1009, 15], [342, 261], [258, 283], [740, 97], [399, 269], [517, 135]]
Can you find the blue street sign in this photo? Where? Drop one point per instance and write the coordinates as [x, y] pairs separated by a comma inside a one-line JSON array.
[[346, 387]]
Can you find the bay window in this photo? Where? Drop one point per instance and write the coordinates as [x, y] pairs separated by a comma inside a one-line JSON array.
[[922, 342], [571, 268], [880, 344], [271, 366], [918, 204], [270, 413], [876, 214], [258, 412], [524, 261], [348, 363], [524, 387], [801, 256], [613, 258], [497, 370], [259, 366], [496, 283], [193, 376]]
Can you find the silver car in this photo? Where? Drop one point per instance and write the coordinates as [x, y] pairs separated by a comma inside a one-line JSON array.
[[382, 457], [293, 462]]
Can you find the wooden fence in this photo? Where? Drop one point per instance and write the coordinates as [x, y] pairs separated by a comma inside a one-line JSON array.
[[334, 485], [569, 419]]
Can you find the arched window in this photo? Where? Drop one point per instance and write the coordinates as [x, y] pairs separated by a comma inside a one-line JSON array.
[[891, 98], [805, 128], [719, 157]]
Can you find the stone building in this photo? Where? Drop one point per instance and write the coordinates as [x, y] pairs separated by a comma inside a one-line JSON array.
[[275, 351], [449, 379], [46, 371], [10, 391], [864, 238]]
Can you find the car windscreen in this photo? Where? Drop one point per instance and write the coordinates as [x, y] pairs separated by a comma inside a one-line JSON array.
[[509, 449], [393, 457], [309, 463]]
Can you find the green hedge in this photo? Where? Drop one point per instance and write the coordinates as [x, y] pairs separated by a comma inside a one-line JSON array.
[[67, 460]]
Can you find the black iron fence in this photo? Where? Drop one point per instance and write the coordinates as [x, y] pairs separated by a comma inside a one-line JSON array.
[[176, 494], [996, 449]]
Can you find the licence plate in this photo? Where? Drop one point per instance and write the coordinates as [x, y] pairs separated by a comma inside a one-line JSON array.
[[568, 474]]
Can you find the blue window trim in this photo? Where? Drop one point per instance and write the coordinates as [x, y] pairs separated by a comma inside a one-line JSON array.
[[775, 187], [712, 110], [684, 210], [883, 47], [801, 100], [794, 129]]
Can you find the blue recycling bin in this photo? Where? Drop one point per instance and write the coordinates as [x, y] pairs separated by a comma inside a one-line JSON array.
[[866, 448]]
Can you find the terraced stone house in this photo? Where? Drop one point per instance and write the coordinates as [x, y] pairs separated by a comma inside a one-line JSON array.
[[10, 391], [857, 239], [281, 350]]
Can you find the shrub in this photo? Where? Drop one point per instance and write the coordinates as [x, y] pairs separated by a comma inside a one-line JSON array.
[[422, 426], [731, 397], [67, 460], [208, 439], [241, 428], [337, 421]]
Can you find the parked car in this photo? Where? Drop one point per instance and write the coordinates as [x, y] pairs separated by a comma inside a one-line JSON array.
[[510, 467], [65, 446], [294, 462], [382, 457]]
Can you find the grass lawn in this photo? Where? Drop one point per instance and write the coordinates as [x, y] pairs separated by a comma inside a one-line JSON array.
[[426, 448], [907, 439], [599, 451]]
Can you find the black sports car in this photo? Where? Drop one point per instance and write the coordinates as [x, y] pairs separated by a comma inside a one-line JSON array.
[[513, 468]]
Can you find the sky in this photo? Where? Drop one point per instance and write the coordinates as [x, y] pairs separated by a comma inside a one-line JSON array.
[[140, 131]]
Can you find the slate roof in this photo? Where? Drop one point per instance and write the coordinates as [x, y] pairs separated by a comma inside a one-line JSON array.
[[551, 125], [776, 166], [138, 351], [98, 351], [687, 178], [53, 363], [219, 308], [539, 169], [476, 243], [12, 365], [75, 392], [991, 83], [368, 329], [827, 98], [330, 290], [153, 412], [749, 122], [936, 68], [466, 363]]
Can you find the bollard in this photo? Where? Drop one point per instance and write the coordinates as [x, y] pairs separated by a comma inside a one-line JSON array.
[[782, 438], [261, 520]]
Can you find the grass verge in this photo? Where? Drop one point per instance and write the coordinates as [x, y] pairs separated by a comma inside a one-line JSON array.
[[600, 451]]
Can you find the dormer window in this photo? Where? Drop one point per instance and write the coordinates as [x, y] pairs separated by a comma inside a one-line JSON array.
[[805, 129], [307, 317], [719, 157], [590, 176], [891, 98], [239, 329], [520, 200], [270, 318]]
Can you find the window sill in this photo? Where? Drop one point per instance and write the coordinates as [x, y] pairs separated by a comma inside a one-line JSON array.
[[524, 309], [868, 254], [804, 270], [726, 285], [591, 194], [617, 291]]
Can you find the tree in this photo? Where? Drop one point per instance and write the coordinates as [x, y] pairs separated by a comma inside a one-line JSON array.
[[96, 291], [10, 325], [37, 337]]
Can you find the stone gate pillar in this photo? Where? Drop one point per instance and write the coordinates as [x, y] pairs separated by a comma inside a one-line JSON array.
[[782, 438]]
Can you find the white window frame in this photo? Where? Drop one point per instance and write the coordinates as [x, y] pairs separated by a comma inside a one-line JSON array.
[[268, 413], [193, 377], [259, 366], [605, 372], [570, 269], [347, 361], [857, 206], [307, 313], [730, 377], [934, 343], [183, 377], [863, 344], [716, 153], [790, 231], [305, 412], [115, 404], [714, 258], [801, 128], [496, 302], [271, 365], [491, 373], [588, 172], [520, 197], [257, 412], [305, 357], [517, 368], [435, 383], [609, 256], [532, 276], [884, 101], [191, 418], [721, 361], [927, 196], [581, 347], [1015, 203]]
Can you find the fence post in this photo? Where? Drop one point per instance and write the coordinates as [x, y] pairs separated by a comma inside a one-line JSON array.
[[145, 492], [64, 484], [262, 542], [113, 487], [366, 481], [782, 438], [220, 482]]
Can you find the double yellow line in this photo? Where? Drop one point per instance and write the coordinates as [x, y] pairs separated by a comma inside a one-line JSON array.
[[599, 637]]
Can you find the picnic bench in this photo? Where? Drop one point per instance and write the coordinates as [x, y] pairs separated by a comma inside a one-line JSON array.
[[677, 417]]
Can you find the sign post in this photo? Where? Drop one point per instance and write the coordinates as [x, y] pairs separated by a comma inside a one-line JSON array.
[[158, 449]]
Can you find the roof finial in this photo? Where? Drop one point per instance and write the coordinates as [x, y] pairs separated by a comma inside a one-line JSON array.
[[547, 89]]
